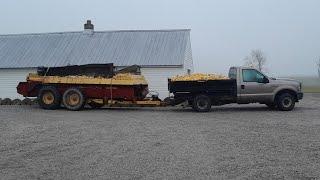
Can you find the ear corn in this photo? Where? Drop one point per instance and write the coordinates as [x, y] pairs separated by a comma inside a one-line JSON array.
[[124, 76], [118, 79], [198, 77]]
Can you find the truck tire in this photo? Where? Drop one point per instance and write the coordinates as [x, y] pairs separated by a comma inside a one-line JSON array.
[[49, 98], [16, 102], [6, 101], [34, 101], [285, 102], [201, 103], [73, 99], [26, 101]]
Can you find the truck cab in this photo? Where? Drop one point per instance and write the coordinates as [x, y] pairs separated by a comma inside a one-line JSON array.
[[253, 86]]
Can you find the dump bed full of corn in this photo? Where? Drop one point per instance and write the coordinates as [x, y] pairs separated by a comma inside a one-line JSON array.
[[199, 77]]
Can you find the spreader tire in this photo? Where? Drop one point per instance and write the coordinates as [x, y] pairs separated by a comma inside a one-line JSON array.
[[49, 98], [73, 99]]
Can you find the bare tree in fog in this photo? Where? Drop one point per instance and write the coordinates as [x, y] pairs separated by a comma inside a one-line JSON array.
[[256, 59]]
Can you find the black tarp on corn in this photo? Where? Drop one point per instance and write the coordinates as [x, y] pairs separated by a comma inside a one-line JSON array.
[[103, 70]]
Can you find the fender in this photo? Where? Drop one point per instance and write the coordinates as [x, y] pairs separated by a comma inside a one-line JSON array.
[[27, 89], [283, 88]]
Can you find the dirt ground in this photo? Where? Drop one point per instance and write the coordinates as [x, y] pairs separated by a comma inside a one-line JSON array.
[[230, 142]]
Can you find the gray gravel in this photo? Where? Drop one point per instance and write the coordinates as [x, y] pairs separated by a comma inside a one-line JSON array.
[[230, 142]]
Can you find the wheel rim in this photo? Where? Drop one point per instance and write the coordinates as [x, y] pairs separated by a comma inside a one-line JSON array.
[[73, 99], [48, 97], [287, 102], [202, 104]]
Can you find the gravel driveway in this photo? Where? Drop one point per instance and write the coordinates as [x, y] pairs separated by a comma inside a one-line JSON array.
[[230, 142]]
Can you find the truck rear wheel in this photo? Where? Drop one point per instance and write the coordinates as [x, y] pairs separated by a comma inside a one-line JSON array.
[[201, 103], [73, 99], [285, 102], [49, 98]]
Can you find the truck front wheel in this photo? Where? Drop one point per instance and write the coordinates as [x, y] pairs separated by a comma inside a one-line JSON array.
[[285, 102], [73, 99], [201, 103], [49, 97]]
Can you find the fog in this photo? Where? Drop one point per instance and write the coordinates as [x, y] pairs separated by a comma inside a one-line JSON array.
[[222, 32]]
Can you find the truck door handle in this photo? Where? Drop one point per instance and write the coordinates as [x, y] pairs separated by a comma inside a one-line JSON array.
[[242, 86]]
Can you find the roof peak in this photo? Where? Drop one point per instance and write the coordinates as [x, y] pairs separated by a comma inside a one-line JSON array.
[[107, 31]]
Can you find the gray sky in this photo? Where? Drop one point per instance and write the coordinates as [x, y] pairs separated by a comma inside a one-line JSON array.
[[223, 31]]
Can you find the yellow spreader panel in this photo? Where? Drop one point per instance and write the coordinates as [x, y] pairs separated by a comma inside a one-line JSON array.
[[119, 79]]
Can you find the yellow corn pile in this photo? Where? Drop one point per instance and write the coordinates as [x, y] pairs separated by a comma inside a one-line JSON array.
[[119, 79], [124, 76], [199, 77]]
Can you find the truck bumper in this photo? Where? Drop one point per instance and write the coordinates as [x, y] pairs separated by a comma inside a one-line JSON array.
[[300, 95]]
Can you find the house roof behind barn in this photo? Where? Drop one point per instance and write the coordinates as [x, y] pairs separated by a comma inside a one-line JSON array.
[[123, 48]]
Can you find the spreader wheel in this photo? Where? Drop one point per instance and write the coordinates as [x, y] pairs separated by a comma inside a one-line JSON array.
[[73, 99], [49, 97]]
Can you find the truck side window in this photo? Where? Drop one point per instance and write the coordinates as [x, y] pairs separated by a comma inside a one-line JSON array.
[[251, 75]]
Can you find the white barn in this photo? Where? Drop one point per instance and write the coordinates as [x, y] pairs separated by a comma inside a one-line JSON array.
[[160, 54]]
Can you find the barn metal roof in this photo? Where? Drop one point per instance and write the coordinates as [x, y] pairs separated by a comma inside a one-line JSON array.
[[123, 48]]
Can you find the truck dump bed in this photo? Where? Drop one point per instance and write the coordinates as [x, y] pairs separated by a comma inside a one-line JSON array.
[[218, 88]]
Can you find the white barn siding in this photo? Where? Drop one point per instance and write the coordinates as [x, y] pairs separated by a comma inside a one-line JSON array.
[[9, 79], [157, 78]]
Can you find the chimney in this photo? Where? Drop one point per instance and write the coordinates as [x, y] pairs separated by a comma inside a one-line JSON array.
[[88, 27]]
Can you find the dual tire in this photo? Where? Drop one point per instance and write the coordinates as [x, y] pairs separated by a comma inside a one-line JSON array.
[[201, 103], [50, 98]]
